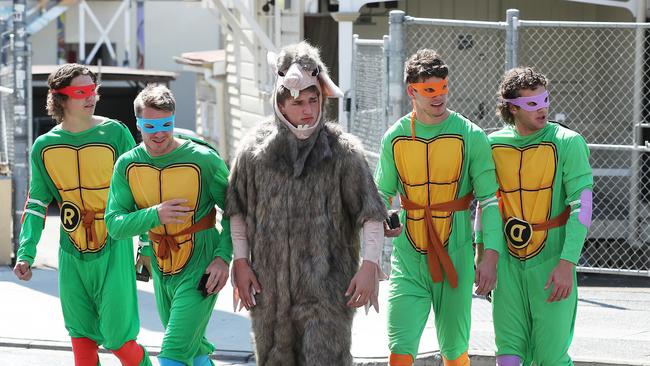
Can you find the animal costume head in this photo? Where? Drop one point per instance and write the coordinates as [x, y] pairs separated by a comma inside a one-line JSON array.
[[297, 67]]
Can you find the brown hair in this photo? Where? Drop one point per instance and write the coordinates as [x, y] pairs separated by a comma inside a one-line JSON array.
[[61, 78], [154, 96], [283, 93], [424, 64], [513, 81]]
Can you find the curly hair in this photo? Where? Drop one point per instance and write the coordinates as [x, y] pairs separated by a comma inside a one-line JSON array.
[[61, 78], [513, 81], [154, 96], [424, 64]]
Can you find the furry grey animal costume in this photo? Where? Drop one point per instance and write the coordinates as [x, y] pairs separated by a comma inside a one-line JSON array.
[[304, 203]]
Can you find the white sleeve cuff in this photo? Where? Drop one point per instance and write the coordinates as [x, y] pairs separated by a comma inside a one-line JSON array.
[[373, 240], [239, 239]]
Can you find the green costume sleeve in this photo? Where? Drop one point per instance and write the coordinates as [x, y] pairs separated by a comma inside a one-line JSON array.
[[218, 192], [144, 249], [123, 219], [386, 176], [127, 142], [576, 177], [35, 210], [484, 182]]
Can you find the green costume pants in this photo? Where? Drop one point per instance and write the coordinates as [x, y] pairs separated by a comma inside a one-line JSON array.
[[412, 293], [525, 324], [98, 297], [184, 313]]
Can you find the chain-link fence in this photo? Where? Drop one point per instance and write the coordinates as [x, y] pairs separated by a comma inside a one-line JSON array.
[[593, 78], [599, 84], [475, 54], [369, 90]]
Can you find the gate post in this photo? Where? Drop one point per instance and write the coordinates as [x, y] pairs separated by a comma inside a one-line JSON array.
[[396, 57], [512, 38]]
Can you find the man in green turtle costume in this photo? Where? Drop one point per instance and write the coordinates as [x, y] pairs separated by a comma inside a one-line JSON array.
[[437, 160], [72, 164], [545, 196], [169, 186]]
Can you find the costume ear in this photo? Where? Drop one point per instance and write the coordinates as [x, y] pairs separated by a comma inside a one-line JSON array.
[[272, 59], [329, 88]]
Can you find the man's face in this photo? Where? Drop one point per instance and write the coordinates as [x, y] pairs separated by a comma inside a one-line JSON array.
[[80, 107], [157, 143], [528, 122], [302, 110], [428, 108]]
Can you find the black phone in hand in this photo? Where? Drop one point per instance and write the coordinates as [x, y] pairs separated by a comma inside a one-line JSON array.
[[393, 219], [203, 284]]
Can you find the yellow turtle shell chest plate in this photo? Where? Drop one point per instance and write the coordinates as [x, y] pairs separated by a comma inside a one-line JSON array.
[[526, 176], [82, 176], [430, 171], [150, 186]]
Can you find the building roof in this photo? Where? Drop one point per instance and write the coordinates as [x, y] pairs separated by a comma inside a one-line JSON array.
[[201, 58], [41, 72]]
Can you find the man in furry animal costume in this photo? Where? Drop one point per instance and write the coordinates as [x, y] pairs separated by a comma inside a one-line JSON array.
[[300, 191]]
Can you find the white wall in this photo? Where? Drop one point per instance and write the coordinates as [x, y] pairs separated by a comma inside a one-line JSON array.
[[172, 28], [44, 46], [103, 11], [246, 104]]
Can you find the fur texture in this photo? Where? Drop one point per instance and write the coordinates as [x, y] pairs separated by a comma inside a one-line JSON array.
[[302, 54], [305, 202]]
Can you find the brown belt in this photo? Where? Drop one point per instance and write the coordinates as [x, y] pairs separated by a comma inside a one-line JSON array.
[[88, 219], [557, 221], [525, 229], [167, 243], [437, 257]]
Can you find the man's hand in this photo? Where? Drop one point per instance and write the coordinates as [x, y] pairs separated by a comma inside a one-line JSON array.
[[23, 270], [486, 271], [246, 284], [143, 260], [218, 271], [170, 211], [364, 286], [392, 233], [562, 280]]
